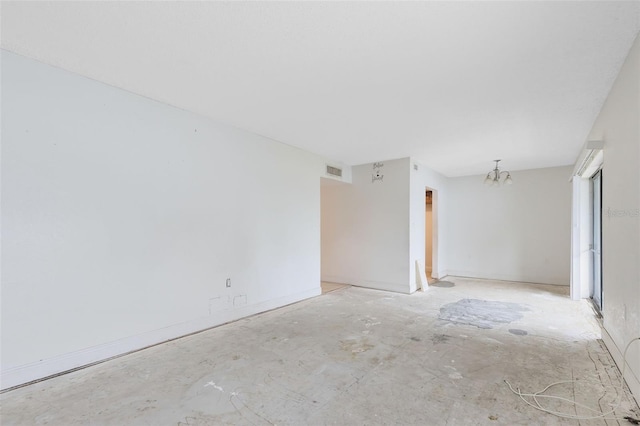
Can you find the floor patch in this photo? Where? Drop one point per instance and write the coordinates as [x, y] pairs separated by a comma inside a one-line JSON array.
[[443, 284], [481, 313], [518, 332]]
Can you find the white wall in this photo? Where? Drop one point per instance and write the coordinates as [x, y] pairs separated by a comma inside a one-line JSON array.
[[519, 232], [365, 229], [618, 125], [421, 178], [122, 218]]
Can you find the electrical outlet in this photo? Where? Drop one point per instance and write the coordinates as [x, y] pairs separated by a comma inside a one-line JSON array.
[[228, 282]]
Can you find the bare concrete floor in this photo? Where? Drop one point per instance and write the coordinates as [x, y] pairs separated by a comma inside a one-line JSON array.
[[353, 357]]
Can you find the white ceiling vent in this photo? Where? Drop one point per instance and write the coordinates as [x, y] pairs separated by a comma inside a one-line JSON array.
[[334, 171]]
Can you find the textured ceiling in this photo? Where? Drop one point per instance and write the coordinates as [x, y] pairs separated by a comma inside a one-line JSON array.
[[453, 84]]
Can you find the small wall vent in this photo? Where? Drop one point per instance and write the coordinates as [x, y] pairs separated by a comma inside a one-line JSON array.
[[334, 171]]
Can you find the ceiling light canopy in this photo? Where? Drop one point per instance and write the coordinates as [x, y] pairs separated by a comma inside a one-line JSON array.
[[493, 177]]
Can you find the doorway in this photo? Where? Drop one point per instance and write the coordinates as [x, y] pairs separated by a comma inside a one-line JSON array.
[[596, 245], [430, 236]]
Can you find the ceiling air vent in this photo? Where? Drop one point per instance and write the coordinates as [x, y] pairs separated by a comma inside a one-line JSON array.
[[334, 171]]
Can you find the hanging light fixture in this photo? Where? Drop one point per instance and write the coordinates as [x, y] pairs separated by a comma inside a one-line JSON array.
[[493, 177]]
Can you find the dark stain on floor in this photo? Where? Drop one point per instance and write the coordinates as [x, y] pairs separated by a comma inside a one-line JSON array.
[[437, 339], [518, 332]]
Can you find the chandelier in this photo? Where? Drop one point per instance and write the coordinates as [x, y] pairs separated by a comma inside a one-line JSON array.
[[493, 177]]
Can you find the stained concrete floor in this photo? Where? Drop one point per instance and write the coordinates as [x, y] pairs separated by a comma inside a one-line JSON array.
[[352, 357]]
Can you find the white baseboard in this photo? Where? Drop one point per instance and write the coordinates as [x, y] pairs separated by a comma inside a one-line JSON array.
[[376, 285], [616, 354], [504, 277], [336, 279], [440, 275], [46, 368]]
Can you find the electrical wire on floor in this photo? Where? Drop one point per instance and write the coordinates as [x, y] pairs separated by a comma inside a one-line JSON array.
[[535, 403]]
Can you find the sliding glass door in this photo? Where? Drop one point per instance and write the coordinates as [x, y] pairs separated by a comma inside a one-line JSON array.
[[596, 247]]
